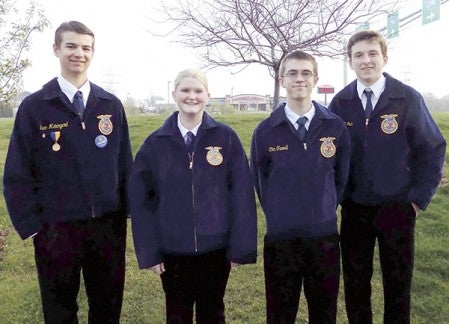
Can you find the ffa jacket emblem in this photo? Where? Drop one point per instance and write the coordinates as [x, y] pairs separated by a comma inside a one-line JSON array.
[[105, 124], [328, 148], [213, 155], [389, 124]]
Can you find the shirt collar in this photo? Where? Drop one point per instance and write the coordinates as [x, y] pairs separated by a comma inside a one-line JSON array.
[[184, 130], [377, 87], [293, 117], [69, 89]]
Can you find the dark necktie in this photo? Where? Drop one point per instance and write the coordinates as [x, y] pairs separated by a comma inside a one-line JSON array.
[[302, 131], [190, 141], [369, 103], [78, 104]]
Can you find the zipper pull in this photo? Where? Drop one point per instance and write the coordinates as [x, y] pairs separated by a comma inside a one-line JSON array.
[[190, 161], [83, 125], [305, 146], [366, 122]]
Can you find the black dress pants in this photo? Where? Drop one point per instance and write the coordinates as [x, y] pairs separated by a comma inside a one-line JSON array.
[[291, 263], [97, 248], [198, 280], [393, 225]]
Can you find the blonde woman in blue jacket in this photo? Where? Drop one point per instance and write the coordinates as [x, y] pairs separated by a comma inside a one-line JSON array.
[[192, 205]]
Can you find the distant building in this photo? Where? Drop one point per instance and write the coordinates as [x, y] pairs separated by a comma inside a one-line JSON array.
[[247, 102]]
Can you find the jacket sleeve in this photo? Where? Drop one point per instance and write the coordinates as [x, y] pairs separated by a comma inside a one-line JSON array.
[[20, 184], [143, 203], [343, 162], [428, 151], [243, 234], [125, 162]]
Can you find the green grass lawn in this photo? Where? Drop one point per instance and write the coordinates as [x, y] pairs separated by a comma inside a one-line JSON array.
[[245, 301]]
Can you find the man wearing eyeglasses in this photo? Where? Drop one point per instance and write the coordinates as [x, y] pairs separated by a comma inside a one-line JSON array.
[[396, 165], [300, 161]]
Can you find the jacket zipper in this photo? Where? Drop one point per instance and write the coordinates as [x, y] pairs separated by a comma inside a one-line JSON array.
[[195, 238]]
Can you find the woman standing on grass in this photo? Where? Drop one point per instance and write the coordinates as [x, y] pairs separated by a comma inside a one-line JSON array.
[[192, 205]]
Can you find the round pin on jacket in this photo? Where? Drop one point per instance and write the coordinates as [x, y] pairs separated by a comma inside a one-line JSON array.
[[101, 141]]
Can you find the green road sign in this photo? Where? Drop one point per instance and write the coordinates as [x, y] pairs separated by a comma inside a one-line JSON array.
[[393, 24], [430, 11]]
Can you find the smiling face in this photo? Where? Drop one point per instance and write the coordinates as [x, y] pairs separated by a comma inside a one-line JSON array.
[[299, 79], [191, 96], [367, 61], [75, 53]]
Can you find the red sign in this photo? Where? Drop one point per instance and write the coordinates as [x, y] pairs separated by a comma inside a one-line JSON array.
[[326, 89]]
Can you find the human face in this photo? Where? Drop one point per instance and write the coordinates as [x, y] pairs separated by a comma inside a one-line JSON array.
[[191, 97], [299, 79], [75, 54], [367, 61]]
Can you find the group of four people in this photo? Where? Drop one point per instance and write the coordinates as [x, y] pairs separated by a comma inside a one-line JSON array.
[[70, 182]]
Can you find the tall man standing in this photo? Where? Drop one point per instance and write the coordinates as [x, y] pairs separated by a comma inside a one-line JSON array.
[[300, 161], [396, 165], [64, 184]]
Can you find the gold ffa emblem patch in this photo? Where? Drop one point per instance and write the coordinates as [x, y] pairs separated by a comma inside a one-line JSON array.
[[105, 124], [389, 124], [213, 155], [328, 148]]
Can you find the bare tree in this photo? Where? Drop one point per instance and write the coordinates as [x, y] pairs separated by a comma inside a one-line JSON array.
[[243, 32], [16, 29]]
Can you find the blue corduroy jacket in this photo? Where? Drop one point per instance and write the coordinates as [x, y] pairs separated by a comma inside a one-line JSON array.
[[184, 208], [75, 179], [299, 186], [399, 154]]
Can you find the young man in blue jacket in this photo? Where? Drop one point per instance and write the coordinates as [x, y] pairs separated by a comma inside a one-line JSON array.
[[396, 165], [64, 184], [192, 205], [300, 161]]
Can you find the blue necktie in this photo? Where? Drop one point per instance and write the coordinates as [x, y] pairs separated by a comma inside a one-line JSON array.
[[190, 141], [369, 103], [302, 131], [78, 104]]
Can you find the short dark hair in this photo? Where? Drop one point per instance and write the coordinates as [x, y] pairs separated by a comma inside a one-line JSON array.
[[298, 55], [367, 35], [72, 26]]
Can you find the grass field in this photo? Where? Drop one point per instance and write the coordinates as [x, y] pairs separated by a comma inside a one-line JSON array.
[[245, 303]]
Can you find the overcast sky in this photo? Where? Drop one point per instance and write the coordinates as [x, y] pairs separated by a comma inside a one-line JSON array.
[[130, 61]]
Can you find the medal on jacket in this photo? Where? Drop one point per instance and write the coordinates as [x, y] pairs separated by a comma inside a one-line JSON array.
[[55, 137], [389, 124], [101, 141], [213, 155], [328, 148], [105, 124]]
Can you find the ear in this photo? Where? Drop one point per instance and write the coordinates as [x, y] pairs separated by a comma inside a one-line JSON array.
[[56, 50], [281, 82]]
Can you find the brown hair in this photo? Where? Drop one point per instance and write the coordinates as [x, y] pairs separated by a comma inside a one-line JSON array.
[[298, 55], [72, 26], [367, 35]]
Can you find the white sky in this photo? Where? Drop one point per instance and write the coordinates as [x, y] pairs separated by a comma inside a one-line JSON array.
[[130, 61]]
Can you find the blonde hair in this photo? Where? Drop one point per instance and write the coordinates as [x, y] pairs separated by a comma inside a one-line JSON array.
[[192, 73]]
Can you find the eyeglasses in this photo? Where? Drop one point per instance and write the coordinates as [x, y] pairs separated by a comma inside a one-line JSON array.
[[294, 74]]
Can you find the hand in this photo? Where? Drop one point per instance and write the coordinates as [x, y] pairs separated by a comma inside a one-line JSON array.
[[416, 208], [158, 268], [235, 265]]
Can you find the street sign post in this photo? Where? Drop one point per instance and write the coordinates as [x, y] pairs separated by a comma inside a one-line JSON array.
[[393, 25], [325, 89]]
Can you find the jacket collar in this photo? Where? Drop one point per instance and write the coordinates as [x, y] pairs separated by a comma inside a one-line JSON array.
[[51, 90], [278, 116], [170, 127], [393, 89]]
